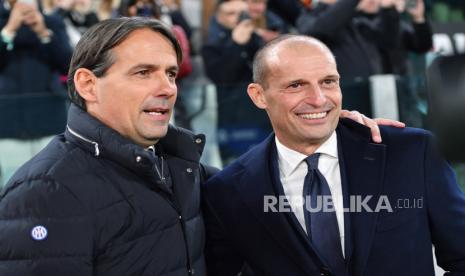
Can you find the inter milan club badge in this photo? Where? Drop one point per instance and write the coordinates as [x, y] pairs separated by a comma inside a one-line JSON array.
[[39, 233]]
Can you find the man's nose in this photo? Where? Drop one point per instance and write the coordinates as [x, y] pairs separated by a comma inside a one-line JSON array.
[[166, 86], [315, 96]]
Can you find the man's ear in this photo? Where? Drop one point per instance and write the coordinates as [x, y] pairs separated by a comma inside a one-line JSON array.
[[255, 92], [85, 83]]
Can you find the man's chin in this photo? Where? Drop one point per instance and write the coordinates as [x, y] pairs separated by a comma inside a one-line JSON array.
[[320, 135], [155, 136]]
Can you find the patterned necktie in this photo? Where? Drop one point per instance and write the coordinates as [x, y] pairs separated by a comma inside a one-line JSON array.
[[320, 218]]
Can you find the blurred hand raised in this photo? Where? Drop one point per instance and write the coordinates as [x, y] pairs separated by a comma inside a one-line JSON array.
[[242, 33]]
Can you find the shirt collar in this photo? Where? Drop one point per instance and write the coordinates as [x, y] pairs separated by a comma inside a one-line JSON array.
[[290, 159]]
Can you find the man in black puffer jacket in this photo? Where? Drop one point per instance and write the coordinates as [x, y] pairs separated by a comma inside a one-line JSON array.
[[119, 192]]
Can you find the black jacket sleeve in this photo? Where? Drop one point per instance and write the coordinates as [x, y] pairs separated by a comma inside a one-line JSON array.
[[3, 50], [325, 20], [417, 38], [63, 246], [384, 29], [58, 51]]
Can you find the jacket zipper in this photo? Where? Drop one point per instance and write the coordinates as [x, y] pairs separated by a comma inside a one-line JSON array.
[[96, 149], [172, 201], [190, 270]]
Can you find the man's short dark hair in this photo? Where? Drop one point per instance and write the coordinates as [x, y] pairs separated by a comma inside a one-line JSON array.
[[93, 50]]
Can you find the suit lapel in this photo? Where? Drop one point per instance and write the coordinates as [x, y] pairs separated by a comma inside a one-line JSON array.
[[257, 173], [279, 190], [362, 171]]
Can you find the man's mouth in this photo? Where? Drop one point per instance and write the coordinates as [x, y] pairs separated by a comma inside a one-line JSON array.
[[313, 116], [156, 111]]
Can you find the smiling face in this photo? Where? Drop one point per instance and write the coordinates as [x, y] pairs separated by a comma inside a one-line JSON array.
[[136, 95], [302, 95]]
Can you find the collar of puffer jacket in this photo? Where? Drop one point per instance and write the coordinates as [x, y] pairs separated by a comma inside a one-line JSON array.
[[92, 135]]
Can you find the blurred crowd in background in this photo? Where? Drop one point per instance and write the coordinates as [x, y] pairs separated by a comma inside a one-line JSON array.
[[371, 39]]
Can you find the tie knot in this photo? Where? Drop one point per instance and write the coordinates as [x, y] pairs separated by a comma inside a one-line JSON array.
[[312, 161]]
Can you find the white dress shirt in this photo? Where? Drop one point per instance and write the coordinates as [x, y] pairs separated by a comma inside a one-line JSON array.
[[292, 172]]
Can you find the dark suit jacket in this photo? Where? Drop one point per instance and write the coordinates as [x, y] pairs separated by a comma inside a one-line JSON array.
[[405, 169]]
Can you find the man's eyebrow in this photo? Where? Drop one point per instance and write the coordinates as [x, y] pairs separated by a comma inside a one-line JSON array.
[[292, 81], [148, 66], [296, 81], [173, 68], [145, 66], [333, 76]]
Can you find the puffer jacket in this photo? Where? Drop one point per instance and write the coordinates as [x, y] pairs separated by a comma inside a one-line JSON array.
[[91, 203]]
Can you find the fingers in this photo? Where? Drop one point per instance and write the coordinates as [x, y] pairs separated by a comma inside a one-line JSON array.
[[26, 12], [373, 124], [362, 119], [30, 18], [242, 33], [353, 115], [389, 122], [245, 23], [358, 116], [266, 35], [374, 128]]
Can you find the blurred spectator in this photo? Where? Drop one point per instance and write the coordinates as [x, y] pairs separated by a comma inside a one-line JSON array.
[[353, 33], [238, 29], [236, 32], [415, 36], [108, 9], [288, 10], [77, 15], [34, 48], [165, 10], [171, 8]]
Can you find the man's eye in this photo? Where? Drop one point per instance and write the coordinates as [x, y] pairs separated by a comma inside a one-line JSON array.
[[295, 85], [172, 74], [143, 72], [330, 82]]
